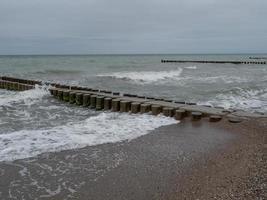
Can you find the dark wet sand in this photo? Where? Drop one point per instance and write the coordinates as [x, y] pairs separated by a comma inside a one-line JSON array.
[[199, 160]]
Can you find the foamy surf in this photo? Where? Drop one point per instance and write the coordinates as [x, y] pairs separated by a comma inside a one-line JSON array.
[[238, 98], [103, 128], [145, 77], [173, 77], [27, 97], [191, 67]]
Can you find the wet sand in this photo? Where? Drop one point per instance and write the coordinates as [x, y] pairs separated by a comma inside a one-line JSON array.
[[236, 172], [198, 160]]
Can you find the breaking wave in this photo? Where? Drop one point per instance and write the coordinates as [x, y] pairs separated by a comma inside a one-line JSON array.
[[27, 97], [245, 99], [191, 67], [103, 128], [172, 77], [145, 77]]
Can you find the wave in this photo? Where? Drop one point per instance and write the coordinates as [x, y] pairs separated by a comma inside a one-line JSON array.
[[245, 99], [191, 67], [145, 77], [172, 77], [27, 97], [103, 128]]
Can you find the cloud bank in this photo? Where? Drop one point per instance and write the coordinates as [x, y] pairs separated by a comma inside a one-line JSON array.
[[140, 26]]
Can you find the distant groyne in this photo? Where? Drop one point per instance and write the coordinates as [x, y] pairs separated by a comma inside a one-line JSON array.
[[119, 102], [216, 62]]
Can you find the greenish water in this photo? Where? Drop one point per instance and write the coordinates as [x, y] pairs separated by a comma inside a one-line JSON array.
[[228, 85]]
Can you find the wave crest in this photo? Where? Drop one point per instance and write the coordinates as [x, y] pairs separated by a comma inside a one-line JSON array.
[[191, 67], [103, 128], [245, 99], [28, 97], [145, 76]]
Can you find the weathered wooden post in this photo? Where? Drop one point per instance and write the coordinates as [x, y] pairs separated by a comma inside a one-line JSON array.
[[107, 103], [72, 97], [196, 116], [168, 112], [156, 109], [79, 99], [115, 105], [60, 94], [93, 101], [180, 114], [54, 91], [66, 96], [145, 108], [86, 100], [125, 106], [135, 107], [99, 103]]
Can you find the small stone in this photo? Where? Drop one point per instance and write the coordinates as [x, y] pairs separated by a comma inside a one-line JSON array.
[[215, 118], [235, 120]]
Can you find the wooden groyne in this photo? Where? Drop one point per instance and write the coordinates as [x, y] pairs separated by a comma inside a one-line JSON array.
[[119, 102], [216, 62], [10, 83], [258, 58]]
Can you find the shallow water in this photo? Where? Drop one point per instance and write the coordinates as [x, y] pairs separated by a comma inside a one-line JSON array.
[[32, 122]]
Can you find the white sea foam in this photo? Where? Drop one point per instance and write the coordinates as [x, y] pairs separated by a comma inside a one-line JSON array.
[[172, 76], [103, 128], [246, 99], [27, 97], [191, 67], [145, 77]]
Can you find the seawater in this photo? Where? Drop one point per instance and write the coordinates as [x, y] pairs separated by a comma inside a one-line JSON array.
[[32, 122]]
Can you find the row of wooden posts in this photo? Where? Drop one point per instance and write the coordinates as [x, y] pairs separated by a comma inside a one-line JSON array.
[[215, 62], [15, 86], [119, 104]]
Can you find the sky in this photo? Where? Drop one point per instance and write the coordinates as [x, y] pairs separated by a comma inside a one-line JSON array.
[[132, 26]]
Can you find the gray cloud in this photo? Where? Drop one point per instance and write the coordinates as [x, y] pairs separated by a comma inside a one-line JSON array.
[[140, 26]]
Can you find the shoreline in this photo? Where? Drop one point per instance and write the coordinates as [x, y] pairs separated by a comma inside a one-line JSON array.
[[188, 160]]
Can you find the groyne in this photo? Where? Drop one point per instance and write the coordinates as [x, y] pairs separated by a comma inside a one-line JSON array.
[[118, 102], [216, 62], [10, 83]]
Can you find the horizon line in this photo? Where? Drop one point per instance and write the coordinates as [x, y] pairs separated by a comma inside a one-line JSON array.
[[128, 54]]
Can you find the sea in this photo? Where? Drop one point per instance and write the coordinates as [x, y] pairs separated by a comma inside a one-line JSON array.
[[32, 122], [53, 150]]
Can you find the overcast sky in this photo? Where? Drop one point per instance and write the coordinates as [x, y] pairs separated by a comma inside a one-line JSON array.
[[132, 26]]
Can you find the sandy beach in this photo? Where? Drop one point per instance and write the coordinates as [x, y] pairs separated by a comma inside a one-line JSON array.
[[189, 160]]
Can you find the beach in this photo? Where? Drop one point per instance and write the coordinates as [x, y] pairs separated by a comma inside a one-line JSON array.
[[188, 160], [133, 100]]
